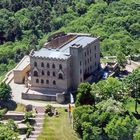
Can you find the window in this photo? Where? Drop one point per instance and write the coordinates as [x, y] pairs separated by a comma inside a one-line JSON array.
[[90, 68], [85, 62], [60, 76], [85, 54], [90, 51], [36, 73], [54, 82], [81, 80], [54, 74], [47, 81], [90, 59], [80, 63], [53, 66], [60, 66], [95, 64], [42, 72], [35, 64], [42, 64], [95, 47], [48, 73], [37, 81], [48, 65], [80, 71], [95, 55], [42, 81]]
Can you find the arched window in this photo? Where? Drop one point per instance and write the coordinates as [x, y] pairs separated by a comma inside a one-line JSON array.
[[48, 73], [54, 74], [42, 64], [60, 76], [37, 81], [42, 72], [36, 73], [60, 66], [54, 82], [53, 66], [35, 64], [47, 81], [42, 81], [48, 65]]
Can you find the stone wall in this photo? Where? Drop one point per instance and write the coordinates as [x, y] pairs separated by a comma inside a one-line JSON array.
[[15, 117], [91, 58], [62, 84], [27, 96], [57, 42]]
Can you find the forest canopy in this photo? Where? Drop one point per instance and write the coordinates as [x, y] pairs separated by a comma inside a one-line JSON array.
[[25, 25]]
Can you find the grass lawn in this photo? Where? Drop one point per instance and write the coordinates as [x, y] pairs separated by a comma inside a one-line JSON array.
[[58, 128], [20, 107], [131, 105]]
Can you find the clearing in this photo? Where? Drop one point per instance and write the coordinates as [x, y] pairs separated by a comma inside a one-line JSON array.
[[58, 128]]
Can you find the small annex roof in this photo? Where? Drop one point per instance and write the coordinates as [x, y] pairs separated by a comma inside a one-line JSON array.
[[51, 53], [80, 40], [23, 63]]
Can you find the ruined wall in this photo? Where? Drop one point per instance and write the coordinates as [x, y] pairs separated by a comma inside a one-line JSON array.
[[59, 41]]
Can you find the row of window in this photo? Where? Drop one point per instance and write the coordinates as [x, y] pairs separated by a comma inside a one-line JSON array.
[[88, 51], [89, 60], [48, 65], [60, 75], [90, 68], [43, 81]]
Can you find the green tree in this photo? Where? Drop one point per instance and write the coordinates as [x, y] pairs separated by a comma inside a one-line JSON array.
[[7, 134], [121, 59], [80, 115], [110, 1], [12, 126], [133, 84], [111, 87], [136, 135], [121, 128], [84, 95], [91, 132], [5, 92]]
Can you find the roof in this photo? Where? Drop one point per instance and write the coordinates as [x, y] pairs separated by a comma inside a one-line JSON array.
[[23, 63], [64, 51], [51, 53], [80, 40]]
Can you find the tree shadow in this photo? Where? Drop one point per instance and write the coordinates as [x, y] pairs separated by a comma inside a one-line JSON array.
[[9, 104], [136, 115]]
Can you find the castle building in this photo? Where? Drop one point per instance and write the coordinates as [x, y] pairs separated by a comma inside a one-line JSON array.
[[65, 61]]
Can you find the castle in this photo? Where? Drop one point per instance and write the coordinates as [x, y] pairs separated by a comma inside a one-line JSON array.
[[65, 61], [59, 66]]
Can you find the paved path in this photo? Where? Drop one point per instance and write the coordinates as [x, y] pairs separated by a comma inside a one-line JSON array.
[[39, 123], [17, 89], [133, 66]]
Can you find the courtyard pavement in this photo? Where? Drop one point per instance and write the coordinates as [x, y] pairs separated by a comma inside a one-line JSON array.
[[17, 90]]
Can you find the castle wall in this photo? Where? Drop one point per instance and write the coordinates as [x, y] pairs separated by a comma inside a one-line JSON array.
[[91, 57], [48, 79]]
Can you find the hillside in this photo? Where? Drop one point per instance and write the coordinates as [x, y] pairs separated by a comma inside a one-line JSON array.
[[25, 25]]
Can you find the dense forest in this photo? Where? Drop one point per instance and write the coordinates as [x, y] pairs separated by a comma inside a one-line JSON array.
[[109, 109], [25, 25]]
